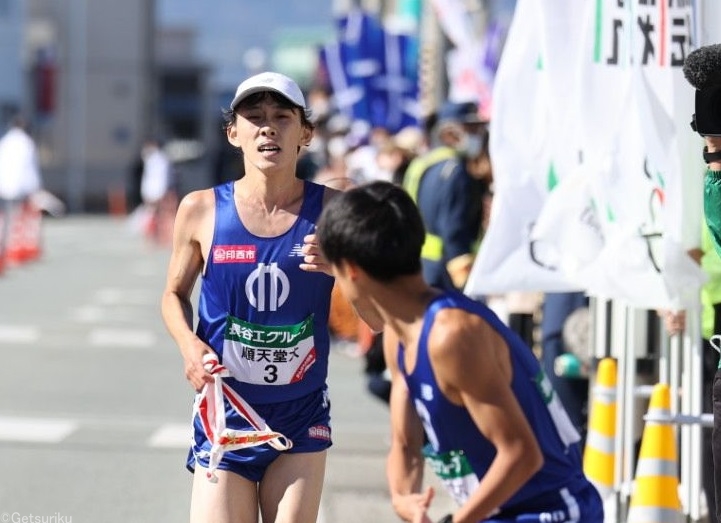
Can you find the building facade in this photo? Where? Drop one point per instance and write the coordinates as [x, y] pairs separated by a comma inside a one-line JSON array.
[[12, 17], [96, 88]]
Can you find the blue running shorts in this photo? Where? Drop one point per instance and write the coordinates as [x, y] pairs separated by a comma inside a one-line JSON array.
[[567, 505], [305, 421]]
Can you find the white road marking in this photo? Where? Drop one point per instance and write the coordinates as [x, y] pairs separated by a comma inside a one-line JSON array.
[[87, 314], [19, 334], [146, 269], [172, 435], [107, 337], [116, 296], [35, 430]]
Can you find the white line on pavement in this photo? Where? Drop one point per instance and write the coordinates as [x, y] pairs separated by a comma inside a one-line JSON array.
[[105, 337], [36, 430], [87, 314], [115, 296], [171, 435], [19, 334]]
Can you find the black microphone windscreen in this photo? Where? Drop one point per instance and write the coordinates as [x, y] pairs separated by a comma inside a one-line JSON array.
[[702, 67]]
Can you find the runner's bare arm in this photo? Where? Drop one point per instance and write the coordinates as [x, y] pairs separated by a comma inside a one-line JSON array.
[[404, 466], [195, 215]]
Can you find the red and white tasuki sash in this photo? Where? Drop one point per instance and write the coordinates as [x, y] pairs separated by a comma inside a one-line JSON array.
[[209, 406]]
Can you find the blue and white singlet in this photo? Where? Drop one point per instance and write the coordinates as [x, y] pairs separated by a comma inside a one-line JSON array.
[[460, 454], [266, 317]]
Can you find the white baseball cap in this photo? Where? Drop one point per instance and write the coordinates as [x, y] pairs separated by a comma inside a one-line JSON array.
[[268, 81]]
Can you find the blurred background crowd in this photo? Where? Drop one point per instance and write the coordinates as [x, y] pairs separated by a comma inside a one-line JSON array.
[[120, 107], [95, 80]]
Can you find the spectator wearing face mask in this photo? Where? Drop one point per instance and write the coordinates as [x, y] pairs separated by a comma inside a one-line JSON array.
[[448, 197]]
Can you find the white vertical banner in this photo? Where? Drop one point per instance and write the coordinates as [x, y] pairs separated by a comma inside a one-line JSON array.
[[532, 142], [632, 71], [468, 77], [637, 191], [453, 18], [586, 154]]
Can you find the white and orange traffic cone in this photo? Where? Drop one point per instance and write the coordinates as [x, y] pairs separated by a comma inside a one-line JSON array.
[[599, 453], [3, 243], [32, 232], [655, 497], [14, 255]]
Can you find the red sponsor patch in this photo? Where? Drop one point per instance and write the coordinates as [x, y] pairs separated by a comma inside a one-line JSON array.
[[319, 432], [304, 366], [234, 254]]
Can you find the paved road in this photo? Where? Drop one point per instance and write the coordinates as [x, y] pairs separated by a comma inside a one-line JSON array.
[[94, 408]]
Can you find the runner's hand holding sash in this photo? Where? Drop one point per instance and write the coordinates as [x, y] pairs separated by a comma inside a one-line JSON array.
[[209, 406]]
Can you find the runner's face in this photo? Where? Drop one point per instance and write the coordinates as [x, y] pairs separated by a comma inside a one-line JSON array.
[[268, 134]]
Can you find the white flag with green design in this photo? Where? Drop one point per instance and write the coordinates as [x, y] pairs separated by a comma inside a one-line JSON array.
[[588, 136]]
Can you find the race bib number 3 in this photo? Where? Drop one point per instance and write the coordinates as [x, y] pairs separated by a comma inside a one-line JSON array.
[[268, 355]]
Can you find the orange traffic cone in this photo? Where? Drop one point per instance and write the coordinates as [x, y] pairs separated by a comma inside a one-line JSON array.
[[655, 496], [599, 453], [117, 201], [32, 231], [3, 245], [14, 255]]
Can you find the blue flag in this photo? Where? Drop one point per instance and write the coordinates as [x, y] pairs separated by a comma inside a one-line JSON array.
[[372, 73]]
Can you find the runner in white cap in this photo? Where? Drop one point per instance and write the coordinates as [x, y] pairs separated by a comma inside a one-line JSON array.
[[259, 354]]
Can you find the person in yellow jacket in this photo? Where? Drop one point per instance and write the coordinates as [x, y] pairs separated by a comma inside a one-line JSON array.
[[448, 197], [712, 211]]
